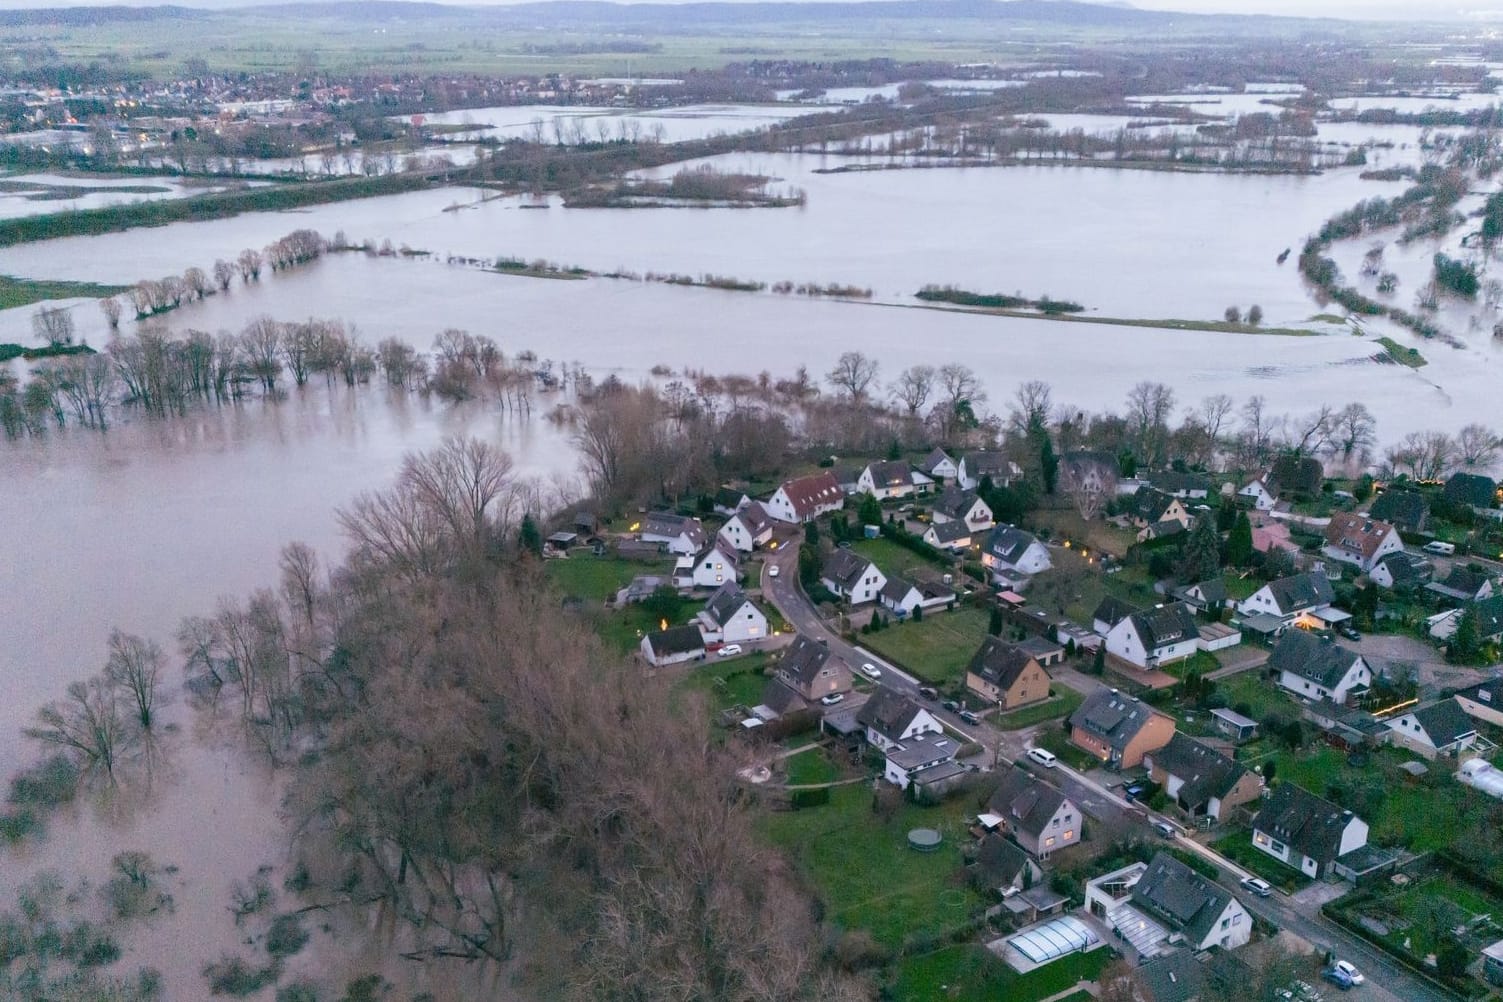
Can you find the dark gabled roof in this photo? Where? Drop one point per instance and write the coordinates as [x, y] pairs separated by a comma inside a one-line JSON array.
[[1112, 717], [950, 532], [1171, 890], [1212, 591], [888, 712], [1304, 654], [728, 497], [1150, 505], [1008, 543], [1488, 693], [781, 698], [725, 603], [999, 663], [755, 517], [1489, 616], [676, 640], [1204, 771], [846, 567], [985, 463], [1445, 722], [803, 659], [955, 503], [666, 523], [1026, 801], [896, 589], [1113, 610], [891, 473], [1405, 568], [929, 462], [1172, 481], [1311, 824], [1302, 591], [1472, 489], [1466, 581], [1000, 860], [1406, 508], [1165, 625], [1172, 977]]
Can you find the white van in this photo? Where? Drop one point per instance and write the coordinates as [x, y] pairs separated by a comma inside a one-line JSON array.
[[1042, 757], [1437, 546]]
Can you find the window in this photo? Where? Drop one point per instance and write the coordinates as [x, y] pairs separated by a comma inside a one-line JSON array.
[[1237, 919], [1049, 841], [1069, 834], [1055, 822], [1226, 923]]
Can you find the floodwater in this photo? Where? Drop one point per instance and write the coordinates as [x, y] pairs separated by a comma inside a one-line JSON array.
[[41, 194], [671, 125], [149, 523], [1122, 242]]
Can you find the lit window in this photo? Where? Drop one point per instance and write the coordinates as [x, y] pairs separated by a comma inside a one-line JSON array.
[[1049, 840]]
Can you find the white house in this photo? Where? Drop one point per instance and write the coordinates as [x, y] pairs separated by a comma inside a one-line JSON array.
[[1010, 550], [887, 479], [1263, 492], [1199, 909], [906, 761], [1312, 668], [852, 577], [973, 466], [1038, 816], [939, 467], [715, 565], [890, 718], [955, 505], [806, 498], [1155, 637], [1360, 541], [748, 528], [678, 533], [952, 536], [1442, 728], [902, 597], [673, 646], [1304, 831], [1290, 597], [729, 617]]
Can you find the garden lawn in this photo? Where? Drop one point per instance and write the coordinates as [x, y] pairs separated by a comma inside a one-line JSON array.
[[1238, 848], [810, 767], [597, 579], [865, 873], [936, 649], [1062, 704], [971, 973], [1251, 691], [1057, 740], [894, 560]]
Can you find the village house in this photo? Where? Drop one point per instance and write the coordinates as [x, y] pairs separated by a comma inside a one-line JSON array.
[[806, 498], [809, 669], [952, 536], [1150, 507], [1304, 831], [1109, 612], [1406, 509], [1088, 478], [748, 528], [890, 718], [1483, 701], [1263, 494], [729, 617], [1360, 541], [903, 597], [922, 760], [1271, 536], [729, 500], [672, 646], [1200, 780], [1006, 675], [1150, 904], [1401, 571], [1463, 584], [1040, 818], [677, 533], [1003, 867], [1489, 615], [1476, 492], [1185, 486], [887, 479], [974, 466], [1291, 597], [1010, 552], [852, 577], [1119, 729], [956, 505], [1156, 637], [1204, 596], [1442, 728], [1315, 668], [938, 466], [713, 566], [1172, 977]]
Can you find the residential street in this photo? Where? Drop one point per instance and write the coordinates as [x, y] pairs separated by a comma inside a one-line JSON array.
[[1386, 980]]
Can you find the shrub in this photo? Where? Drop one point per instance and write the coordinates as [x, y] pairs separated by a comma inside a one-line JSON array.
[[298, 991], [50, 783], [809, 798], [286, 936], [233, 976], [14, 827], [88, 945]]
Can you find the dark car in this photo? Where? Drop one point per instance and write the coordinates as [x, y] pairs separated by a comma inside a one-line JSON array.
[[951, 705], [928, 692], [1134, 791], [1337, 977], [1348, 632], [969, 717]]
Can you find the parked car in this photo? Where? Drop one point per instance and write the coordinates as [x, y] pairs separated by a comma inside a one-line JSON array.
[[1446, 549], [1348, 631], [832, 698], [1256, 885], [1350, 970], [969, 717], [1165, 829], [1337, 977], [730, 650], [772, 571], [871, 671], [1134, 791], [951, 705], [1042, 757], [928, 692]]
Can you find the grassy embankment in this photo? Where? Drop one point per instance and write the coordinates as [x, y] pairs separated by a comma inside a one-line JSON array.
[[960, 301], [1402, 355], [111, 219], [25, 291]]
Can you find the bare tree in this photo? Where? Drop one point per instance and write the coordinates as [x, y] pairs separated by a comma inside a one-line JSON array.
[[1149, 406], [261, 342], [53, 324], [250, 262], [196, 282], [1255, 438], [134, 666], [913, 387], [1310, 434], [1478, 445], [466, 483], [86, 724], [224, 274], [1354, 432], [1032, 403], [110, 307], [853, 374]]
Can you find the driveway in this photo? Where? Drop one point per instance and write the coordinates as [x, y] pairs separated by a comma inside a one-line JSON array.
[[1382, 651]]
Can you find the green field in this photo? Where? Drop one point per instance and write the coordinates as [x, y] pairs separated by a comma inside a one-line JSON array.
[[597, 579], [1057, 740], [1064, 702], [971, 973], [938, 648], [895, 560], [810, 767], [864, 872], [1237, 847], [732, 682], [23, 291]]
